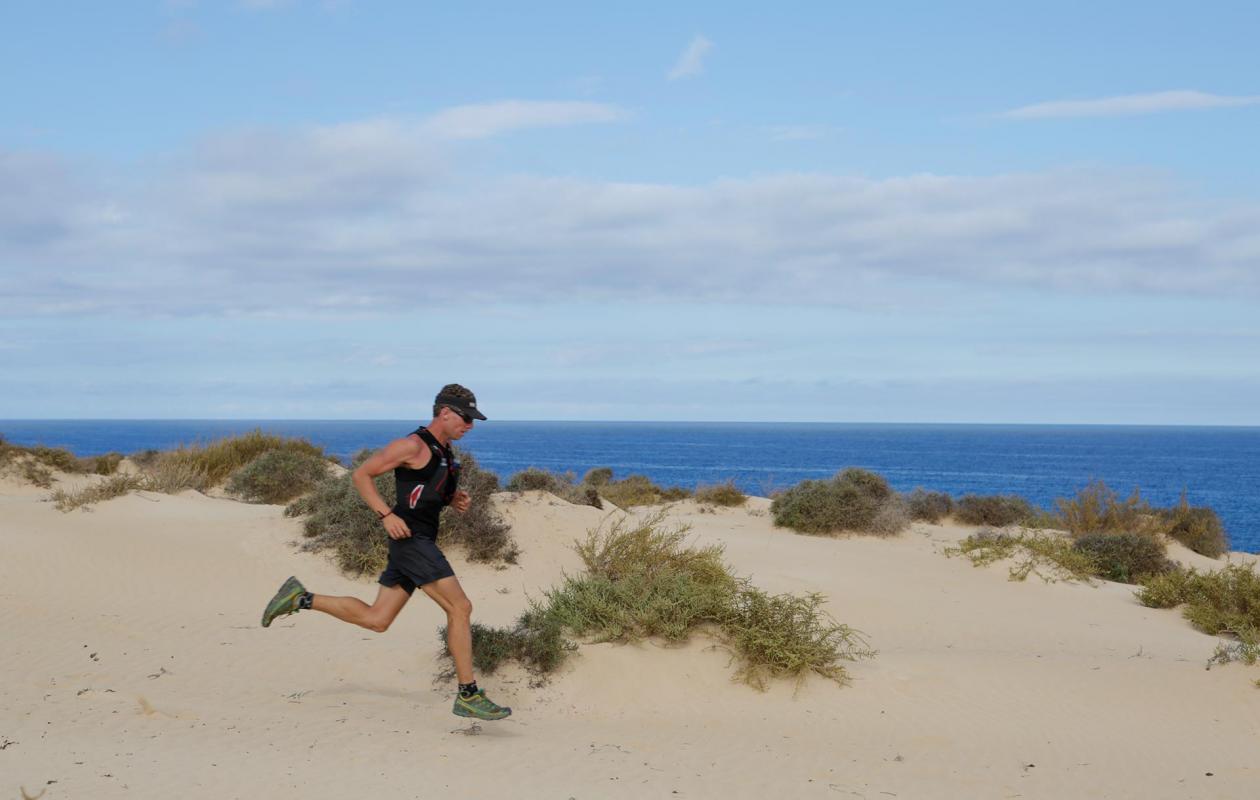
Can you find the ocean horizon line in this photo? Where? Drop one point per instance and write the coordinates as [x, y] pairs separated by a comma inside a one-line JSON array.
[[1134, 425]]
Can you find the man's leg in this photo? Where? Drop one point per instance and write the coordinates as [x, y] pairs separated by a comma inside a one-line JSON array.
[[376, 617], [448, 594]]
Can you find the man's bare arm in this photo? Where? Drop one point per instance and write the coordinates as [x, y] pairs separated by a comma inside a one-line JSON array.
[[396, 453]]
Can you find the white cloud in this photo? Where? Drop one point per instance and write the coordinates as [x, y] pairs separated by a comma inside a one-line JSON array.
[[490, 119], [355, 216], [691, 61], [1126, 105]]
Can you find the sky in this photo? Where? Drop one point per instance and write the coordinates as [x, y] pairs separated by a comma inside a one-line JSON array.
[[974, 212]]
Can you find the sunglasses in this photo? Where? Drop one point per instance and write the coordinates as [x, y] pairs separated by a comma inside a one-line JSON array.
[[467, 419]]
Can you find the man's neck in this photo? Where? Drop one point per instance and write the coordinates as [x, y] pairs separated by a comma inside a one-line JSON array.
[[442, 436]]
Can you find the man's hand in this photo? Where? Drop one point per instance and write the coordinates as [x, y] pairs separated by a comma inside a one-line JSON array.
[[395, 527], [461, 502]]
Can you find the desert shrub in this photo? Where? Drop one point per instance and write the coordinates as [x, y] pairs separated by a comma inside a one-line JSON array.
[[104, 465], [337, 519], [535, 479], [536, 641], [854, 500], [278, 476], [721, 494], [1124, 557], [598, 476], [638, 490], [996, 510], [36, 464], [1098, 509], [928, 506], [171, 475], [111, 487], [215, 462], [559, 484], [57, 458], [1196, 527], [1222, 601], [790, 636], [145, 459], [643, 580], [1049, 556]]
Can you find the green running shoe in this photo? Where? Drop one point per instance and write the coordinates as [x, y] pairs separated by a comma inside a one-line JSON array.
[[479, 707], [285, 601]]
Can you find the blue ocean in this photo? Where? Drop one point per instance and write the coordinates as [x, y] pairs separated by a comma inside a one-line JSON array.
[[1215, 466]]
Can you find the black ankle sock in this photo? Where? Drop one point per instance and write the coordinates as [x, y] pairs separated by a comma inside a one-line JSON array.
[[467, 690], [305, 600]]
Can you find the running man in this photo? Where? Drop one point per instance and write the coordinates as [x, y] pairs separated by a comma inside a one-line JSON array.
[[427, 475]]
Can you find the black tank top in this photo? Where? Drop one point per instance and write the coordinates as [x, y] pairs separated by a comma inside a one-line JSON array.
[[423, 492]]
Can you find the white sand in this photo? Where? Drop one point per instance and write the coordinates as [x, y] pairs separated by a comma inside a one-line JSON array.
[[133, 666]]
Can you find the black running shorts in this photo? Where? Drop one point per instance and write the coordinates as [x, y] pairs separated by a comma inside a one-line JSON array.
[[414, 562]]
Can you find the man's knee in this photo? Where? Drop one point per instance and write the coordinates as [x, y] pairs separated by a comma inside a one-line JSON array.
[[462, 608]]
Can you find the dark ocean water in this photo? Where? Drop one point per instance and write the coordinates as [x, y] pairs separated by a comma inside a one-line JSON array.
[[1216, 467]]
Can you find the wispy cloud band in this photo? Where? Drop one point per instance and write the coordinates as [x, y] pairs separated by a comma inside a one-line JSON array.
[[1131, 104], [691, 61]]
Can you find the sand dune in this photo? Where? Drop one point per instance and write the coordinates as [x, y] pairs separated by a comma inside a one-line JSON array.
[[133, 666]]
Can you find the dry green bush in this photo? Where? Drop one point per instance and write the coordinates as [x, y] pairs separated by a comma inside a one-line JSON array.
[[1098, 509], [642, 580], [638, 490], [212, 464], [111, 487], [278, 476], [928, 506], [1221, 601], [854, 500], [1196, 527], [1049, 556], [597, 476], [998, 511], [722, 494], [36, 464], [1125, 557], [559, 484]]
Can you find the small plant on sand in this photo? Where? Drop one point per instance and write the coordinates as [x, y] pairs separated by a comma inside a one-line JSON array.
[[1221, 601], [337, 519], [643, 580], [1049, 556], [278, 476], [210, 465], [638, 490], [722, 494], [995, 510], [1124, 557], [1098, 509], [855, 500], [559, 484], [598, 476], [111, 487], [928, 506], [1196, 527], [37, 464]]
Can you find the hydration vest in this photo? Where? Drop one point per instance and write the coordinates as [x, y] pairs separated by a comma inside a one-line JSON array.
[[422, 493]]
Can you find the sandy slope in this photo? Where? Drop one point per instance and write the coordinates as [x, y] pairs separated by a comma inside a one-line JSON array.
[[133, 666]]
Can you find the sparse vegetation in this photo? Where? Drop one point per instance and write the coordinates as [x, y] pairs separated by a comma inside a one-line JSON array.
[[928, 506], [35, 465], [205, 466], [1049, 556], [559, 484], [1221, 601], [638, 490], [1098, 509], [1124, 557], [642, 580], [1196, 527], [722, 494], [855, 500], [278, 476], [113, 486], [995, 510]]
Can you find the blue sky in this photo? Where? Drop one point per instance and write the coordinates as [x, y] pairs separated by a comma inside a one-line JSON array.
[[916, 212]]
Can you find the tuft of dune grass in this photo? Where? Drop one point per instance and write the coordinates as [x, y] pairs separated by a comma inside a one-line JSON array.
[[644, 580], [722, 494]]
